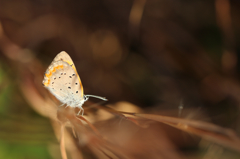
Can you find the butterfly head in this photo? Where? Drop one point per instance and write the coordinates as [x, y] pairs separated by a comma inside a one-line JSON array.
[[85, 97]]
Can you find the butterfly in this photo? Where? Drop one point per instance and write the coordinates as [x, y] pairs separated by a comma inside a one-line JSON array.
[[62, 80]]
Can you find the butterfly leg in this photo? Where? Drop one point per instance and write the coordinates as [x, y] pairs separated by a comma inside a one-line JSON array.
[[82, 111], [62, 104], [79, 112]]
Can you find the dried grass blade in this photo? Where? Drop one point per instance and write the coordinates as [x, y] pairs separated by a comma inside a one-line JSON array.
[[121, 115], [223, 136], [91, 126], [62, 143]]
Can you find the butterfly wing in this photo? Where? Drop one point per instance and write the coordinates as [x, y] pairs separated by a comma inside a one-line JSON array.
[[63, 82], [63, 56]]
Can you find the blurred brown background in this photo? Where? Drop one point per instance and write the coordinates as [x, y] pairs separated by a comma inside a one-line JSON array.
[[157, 54]]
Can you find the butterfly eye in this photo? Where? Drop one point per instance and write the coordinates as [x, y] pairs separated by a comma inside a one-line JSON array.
[[85, 98]]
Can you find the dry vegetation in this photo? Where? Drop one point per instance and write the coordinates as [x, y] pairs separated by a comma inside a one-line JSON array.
[[169, 69]]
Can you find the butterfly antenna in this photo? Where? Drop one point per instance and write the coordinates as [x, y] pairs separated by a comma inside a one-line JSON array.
[[103, 98]]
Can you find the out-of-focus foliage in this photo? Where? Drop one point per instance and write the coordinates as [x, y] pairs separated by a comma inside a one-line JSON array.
[[165, 57]]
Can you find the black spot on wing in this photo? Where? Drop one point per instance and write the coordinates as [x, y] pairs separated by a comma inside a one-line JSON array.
[[69, 87]]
